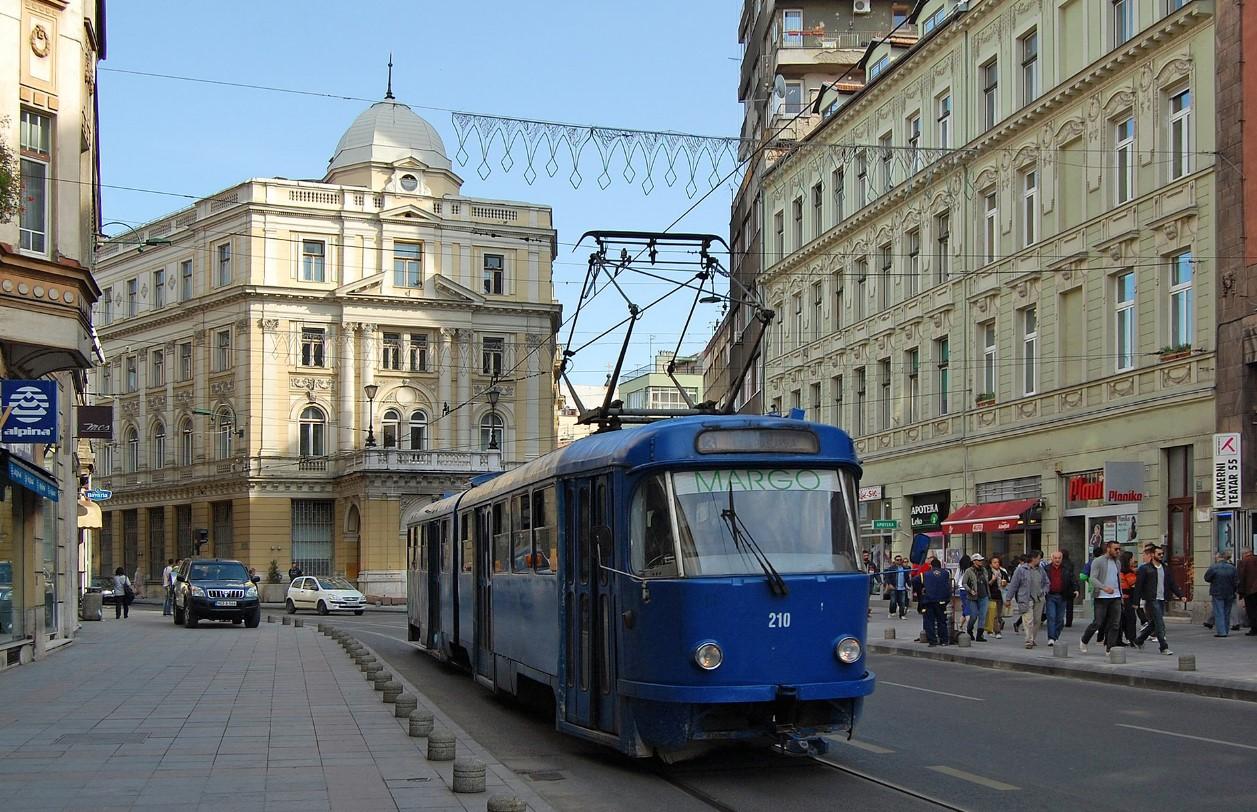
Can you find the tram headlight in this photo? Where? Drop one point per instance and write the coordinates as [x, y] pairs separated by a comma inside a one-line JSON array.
[[708, 656], [847, 650]]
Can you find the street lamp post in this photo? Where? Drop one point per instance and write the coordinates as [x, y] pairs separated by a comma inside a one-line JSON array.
[[370, 389], [494, 393]]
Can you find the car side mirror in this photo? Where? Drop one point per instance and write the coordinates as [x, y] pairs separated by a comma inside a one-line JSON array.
[[257, 579], [180, 578]]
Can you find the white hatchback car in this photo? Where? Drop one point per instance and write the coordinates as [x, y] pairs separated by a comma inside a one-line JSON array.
[[324, 595]]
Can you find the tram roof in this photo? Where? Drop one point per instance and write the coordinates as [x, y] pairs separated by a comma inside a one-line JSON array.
[[668, 440]]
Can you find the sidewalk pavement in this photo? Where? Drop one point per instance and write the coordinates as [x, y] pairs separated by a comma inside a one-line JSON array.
[[1225, 667], [140, 713], [155, 601]]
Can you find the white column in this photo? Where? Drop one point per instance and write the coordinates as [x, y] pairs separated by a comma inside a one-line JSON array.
[[466, 415], [349, 389], [445, 363], [366, 363]]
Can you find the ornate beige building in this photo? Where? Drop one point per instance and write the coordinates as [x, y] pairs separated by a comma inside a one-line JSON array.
[[994, 264], [296, 365]]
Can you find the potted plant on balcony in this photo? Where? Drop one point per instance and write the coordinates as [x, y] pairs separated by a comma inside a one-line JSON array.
[[984, 399], [1172, 352]]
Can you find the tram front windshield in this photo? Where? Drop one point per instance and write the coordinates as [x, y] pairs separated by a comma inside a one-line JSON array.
[[800, 519]]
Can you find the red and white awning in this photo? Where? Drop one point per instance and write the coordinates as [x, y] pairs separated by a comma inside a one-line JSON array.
[[990, 517]]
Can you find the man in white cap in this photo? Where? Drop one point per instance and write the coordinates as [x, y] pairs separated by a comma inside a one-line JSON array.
[[976, 581]]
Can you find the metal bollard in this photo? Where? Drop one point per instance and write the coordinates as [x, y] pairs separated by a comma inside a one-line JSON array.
[[381, 679], [889, 634], [372, 671], [363, 662], [420, 722], [440, 746], [287, 621], [468, 776], [1060, 650], [1187, 662], [506, 803], [296, 621], [270, 618], [404, 705], [964, 641], [1117, 656], [391, 690]]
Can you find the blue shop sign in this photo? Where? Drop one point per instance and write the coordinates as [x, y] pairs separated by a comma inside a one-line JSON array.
[[99, 495], [33, 479], [28, 411]]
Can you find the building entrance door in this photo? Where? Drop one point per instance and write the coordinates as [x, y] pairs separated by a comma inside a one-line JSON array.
[[1178, 543]]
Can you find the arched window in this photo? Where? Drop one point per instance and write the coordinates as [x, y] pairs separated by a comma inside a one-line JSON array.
[[392, 428], [313, 431], [132, 460], [491, 432], [418, 430], [157, 446], [185, 442], [225, 429]]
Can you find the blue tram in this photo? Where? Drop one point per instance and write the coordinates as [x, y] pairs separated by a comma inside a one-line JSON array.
[[689, 582]]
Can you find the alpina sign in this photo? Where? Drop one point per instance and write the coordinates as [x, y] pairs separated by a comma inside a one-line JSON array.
[[1118, 483]]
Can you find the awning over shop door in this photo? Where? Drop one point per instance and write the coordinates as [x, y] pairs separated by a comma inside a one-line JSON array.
[[89, 515], [990, 517]]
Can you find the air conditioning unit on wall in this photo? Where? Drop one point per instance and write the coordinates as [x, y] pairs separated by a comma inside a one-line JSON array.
[[862, 6]]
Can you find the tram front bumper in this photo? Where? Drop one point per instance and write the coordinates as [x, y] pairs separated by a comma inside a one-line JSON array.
[[657, 692]]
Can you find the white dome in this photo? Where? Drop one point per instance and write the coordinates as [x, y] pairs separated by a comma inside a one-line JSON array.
[[386, 132]]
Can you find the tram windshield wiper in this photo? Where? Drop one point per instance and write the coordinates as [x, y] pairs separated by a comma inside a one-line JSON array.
[[742, 537]]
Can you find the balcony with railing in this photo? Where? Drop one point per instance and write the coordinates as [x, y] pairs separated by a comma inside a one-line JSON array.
[[403, 461]]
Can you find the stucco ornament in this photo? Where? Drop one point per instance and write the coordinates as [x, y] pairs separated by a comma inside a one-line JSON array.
[[40, 43]]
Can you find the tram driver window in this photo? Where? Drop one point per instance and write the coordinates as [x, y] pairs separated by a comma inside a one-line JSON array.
[[543, 521], [521, 547], [501, 537], [654, 547]]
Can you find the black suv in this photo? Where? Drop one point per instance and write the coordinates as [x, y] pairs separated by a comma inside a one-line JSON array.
[[216, 589]]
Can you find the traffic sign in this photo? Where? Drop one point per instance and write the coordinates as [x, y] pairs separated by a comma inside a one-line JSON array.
[[885, 524], [99, 495]]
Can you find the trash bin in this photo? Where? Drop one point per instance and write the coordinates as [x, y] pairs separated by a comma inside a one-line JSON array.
[[90, 606]]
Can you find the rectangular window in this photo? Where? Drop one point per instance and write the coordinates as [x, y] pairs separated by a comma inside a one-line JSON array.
[[861, 286], [914, 143], [835, 396], [106, 306], [185, 280], [313, 346], [942, 248], [391, 351], [884, 278], [1029, 47], [818, 306], [407, 265], [35, 143], [224, 265], [312, 256], [986, 335], [839, 182], [133, 297], [106, 380], [913, 363], [796, 211], [222, 350], [797, 326], [1181, 313], [814, 402], [1029, 207], [1123, 24], [838, 302], [779, 235], [313, 529], [133, 373], [492, 353], [494, 274], [942, 112], [861, 179], [990, 227], [1124, 163], [888, 161], [990, 94], [792, 105], [860, 394], [1124, 319], [818, 210], [157, 368], [185, 361], [418, 352], [942, 356], [883, 404], [159, 288], [913, 270], [1180, 134], [879, 67], [1029, 350]]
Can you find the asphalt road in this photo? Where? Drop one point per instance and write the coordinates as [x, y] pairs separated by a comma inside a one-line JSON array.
[[971, 738]]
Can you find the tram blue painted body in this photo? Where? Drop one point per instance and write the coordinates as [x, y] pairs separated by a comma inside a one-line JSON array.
[[691, 581]]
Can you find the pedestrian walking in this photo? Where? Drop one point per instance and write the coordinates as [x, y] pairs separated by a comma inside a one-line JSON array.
[[1127, 579], [1026, 591], [870, 566], [935, 593], [1060, 594], [997, 580], [1154, 584], [1106, 580], [1224, 582], [897, 579], [1248, 588], [978, 595], [294, 572], [1075, 588], [124, 593], [167, 582]]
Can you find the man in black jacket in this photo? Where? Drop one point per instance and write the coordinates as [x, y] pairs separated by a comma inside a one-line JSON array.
[[1154, 584]]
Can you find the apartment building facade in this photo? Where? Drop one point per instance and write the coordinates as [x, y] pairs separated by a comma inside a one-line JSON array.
[[994, 265]]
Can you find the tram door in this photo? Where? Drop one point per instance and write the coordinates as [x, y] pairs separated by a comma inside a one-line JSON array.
[[432, 550], [590, 640], [483, 546]]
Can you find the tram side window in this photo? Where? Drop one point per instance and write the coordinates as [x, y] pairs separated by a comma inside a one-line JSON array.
[[501, 538], [432, 540], [545, 541], [421, 550], [521, 539], [447, 563], [464, 538], [654, 547]]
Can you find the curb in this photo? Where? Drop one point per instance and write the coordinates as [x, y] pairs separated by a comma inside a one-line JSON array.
[[1201, 685]]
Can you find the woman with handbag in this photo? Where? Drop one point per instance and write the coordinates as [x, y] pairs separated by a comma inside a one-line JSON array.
[[124, 593]]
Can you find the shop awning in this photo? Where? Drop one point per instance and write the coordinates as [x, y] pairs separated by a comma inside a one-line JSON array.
[[990, 517], [17, 471], [89, 515]]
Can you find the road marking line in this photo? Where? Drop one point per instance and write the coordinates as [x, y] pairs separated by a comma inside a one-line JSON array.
[[990, 783], [1186, 736], [872, 748], [929, 690]]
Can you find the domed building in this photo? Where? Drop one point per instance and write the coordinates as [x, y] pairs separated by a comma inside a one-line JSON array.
[[301, 365]]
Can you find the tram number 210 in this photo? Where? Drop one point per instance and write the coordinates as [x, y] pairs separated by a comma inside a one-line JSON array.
[[778, 620]]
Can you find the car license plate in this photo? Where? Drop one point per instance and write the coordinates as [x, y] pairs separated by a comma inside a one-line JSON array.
[[225, 603]]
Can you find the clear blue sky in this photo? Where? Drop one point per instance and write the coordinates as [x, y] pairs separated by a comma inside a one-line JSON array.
[[645, 64]]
